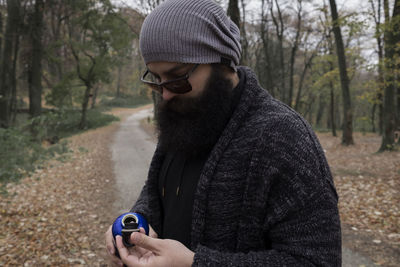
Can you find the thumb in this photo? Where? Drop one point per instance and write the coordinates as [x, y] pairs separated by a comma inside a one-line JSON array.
[[144, 241]]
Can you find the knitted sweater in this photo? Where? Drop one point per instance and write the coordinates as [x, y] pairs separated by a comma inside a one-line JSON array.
[[265, 196]]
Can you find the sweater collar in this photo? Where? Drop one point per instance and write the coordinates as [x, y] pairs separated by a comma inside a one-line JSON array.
[[249, 96]]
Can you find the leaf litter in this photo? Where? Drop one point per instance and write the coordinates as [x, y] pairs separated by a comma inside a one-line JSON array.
[[58, 215], [368, 185]]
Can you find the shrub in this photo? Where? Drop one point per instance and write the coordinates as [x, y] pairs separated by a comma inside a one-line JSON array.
[[22, 150], [18, 154], [56, 124]]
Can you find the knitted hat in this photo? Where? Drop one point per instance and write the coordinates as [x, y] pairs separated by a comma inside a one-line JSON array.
[[190, 31]]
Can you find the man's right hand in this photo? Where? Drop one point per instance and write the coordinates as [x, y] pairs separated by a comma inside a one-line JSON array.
[[111, 249]]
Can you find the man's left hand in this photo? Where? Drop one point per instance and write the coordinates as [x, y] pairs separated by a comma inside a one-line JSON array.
[[161, 252]]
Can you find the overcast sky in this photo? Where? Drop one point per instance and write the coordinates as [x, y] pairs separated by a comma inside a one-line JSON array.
[[255, 4], [253, 13]]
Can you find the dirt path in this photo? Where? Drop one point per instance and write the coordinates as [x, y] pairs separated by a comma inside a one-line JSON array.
[[132, 151], [57, 216]]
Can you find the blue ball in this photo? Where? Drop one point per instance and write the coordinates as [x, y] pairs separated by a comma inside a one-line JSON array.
[[119, 223]]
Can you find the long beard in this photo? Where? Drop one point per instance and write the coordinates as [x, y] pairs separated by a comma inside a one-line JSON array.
[[193, 125]]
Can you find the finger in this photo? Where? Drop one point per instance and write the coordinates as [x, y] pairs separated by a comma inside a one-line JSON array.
[[110, 245], [109, 241], [144, 241], [139, 249], [124, 253]]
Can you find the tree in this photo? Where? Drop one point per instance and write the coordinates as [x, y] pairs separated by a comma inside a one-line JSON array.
[[376, 14], [294, 49], [96, 36], [234, 12], [35, 66], [1, 35], [244, 59], [347, 137], [392, 32], [8, 61], [280, 29], [267, 44]]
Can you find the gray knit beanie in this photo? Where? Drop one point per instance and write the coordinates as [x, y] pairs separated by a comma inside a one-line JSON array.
[[190, 31]]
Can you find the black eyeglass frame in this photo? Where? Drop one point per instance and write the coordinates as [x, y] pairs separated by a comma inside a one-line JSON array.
[[159, 86]]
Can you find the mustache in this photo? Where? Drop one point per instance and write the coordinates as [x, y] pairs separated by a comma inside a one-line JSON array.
[[183, 107]]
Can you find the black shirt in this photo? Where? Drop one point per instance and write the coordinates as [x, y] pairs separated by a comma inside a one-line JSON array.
[[177, 185]]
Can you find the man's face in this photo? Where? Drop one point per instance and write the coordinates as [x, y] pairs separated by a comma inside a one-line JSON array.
[[192, 122], [166, 71]]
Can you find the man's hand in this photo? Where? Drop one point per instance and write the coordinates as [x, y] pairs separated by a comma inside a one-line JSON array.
[[160, 252], [110, 245]]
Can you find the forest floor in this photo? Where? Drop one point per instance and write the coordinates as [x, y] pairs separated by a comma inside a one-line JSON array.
[[58, 215], [368, 184]]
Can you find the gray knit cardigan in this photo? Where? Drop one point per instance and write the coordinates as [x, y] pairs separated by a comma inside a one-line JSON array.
[[265, 196]]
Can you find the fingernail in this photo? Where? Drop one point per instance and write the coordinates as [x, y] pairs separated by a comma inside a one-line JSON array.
[[134, 236]]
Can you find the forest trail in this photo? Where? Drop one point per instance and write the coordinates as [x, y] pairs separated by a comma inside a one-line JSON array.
[[49, 217], [132, 151]]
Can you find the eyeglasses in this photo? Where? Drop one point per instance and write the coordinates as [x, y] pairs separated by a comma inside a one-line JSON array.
[[179, 85]]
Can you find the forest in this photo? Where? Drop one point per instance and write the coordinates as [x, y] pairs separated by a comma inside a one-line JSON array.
[[63, 62], [64, 54], [69, 69], [339, 68]]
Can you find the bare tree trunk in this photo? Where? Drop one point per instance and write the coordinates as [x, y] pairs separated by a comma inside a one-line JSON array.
[[119, 81], [1, 38], [376, 14], [279, 27], [321, 108], [332, 110], [391, 36], [294, 51], [35, 68], [6, 71], [309, 108], [338, 116], [300, 88], [373, 111], [398, 107], [13, 104], [94, 97], [307, 65], [243, 34], [56, 19], [334, 104], [234, 12], [266, 44], [347, 138], [397, 67], [85, 103]]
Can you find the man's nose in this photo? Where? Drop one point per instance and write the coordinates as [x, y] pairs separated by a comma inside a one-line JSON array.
[[167, 95]]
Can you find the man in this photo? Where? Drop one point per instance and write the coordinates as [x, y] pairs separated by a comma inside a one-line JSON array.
[[238, 178]]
